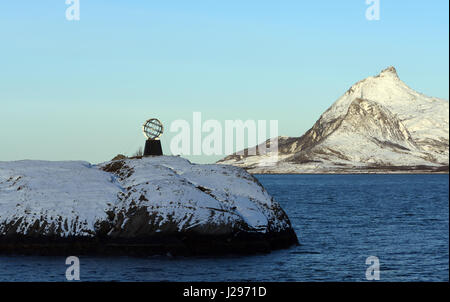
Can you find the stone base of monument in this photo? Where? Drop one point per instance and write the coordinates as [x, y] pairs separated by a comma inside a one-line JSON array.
[[153, 148]]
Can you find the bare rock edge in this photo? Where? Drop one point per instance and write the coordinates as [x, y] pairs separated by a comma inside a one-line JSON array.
[[143, 206]]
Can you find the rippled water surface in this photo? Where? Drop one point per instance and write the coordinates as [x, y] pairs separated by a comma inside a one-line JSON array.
[[340, 221]]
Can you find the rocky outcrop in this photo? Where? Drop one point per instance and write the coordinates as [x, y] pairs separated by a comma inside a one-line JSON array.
[[378, 125], [142, 206]]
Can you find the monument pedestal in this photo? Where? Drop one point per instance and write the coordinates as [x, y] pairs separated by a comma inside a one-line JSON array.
[[153, 148]]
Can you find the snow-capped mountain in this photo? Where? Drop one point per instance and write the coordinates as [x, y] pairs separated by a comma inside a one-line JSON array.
[[379, 124]]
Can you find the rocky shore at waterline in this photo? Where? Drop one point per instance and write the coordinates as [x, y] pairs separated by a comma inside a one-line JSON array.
[[142, 206]]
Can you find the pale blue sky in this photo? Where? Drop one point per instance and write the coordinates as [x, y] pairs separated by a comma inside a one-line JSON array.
[[81, 90]]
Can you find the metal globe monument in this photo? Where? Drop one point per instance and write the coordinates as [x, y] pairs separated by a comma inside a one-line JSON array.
[[153, 129]]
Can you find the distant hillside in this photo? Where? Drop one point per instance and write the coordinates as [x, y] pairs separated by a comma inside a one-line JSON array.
[[378, 125]]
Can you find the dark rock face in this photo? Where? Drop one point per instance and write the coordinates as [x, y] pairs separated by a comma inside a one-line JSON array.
[[176, 244], [143, 206]]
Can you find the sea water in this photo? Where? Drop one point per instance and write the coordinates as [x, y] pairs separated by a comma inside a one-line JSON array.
[[341, 221]]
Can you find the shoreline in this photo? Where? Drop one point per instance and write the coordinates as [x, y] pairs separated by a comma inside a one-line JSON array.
[[382, 170], [352, 173]]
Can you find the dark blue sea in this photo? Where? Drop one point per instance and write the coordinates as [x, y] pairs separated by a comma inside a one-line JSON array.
[[341, 220]]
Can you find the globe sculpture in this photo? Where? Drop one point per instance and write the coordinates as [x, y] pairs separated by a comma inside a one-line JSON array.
[[153, 129]]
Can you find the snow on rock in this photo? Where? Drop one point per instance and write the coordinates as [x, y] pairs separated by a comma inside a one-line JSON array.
[[63, 198], [180, 196], [134, 198]]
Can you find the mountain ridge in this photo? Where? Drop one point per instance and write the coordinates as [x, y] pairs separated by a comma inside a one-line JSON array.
[[396, 125]]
